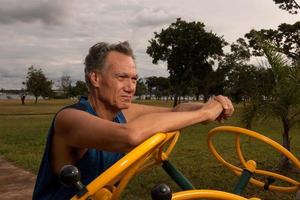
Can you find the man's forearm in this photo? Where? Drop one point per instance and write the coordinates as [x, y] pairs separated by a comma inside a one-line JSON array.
[[189, 106]]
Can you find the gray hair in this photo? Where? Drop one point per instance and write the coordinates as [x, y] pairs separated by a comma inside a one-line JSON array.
[[96, 58]]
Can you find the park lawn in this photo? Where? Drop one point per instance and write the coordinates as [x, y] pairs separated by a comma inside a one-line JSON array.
[[23, 130]]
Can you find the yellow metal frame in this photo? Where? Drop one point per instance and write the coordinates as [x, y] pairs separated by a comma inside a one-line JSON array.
[[207, 194], [251, 165], [103, 187]]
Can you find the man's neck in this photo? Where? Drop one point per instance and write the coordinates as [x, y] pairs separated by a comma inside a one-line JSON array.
[[103, 110]]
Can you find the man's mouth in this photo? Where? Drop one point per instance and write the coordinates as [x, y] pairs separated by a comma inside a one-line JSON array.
[[127, 98]]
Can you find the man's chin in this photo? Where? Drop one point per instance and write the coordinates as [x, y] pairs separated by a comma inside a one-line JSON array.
[[125, 105]]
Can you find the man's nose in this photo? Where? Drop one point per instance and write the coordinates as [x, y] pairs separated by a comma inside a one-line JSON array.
[[130, 86]]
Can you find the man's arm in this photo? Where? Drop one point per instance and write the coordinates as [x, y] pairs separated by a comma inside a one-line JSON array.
[[188, 106], [82, 130], [137, 110]]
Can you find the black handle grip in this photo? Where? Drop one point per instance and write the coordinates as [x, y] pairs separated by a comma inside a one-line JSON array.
[[70, 176], [161, 192]]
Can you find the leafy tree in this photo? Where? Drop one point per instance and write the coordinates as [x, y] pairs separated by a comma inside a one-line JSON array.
[[186, 47], [158, 86], [141, 88], [151, 84], [65, 85], [284, 99], [289, 5], [80, 89], [233, 71], [242, 82], [163, 87], [37, 84], [48, 92], [286, 38]]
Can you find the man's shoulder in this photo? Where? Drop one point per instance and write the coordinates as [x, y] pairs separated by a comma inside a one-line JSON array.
[[77, 106], [81, 105]]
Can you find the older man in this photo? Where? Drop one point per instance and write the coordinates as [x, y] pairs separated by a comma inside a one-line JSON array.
[[95, 132]]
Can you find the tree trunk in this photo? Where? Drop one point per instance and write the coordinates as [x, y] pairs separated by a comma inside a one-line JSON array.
[[285, 163], [23, 99], [36, 98], [175, 100], [205, 98]]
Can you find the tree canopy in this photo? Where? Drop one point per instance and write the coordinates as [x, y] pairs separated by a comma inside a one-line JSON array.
[[80, 89], [187, 48], [289, 5], [65, 85], [37, 83], [286, 38]]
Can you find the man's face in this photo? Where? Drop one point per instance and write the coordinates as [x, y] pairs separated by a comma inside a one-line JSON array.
[[117, 81]]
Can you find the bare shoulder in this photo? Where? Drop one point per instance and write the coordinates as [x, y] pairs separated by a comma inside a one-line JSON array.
[[68, 114], [70, 118], [135, 110]]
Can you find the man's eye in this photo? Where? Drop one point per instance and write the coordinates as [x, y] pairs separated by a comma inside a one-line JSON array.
[[134, 80], [121, 78]]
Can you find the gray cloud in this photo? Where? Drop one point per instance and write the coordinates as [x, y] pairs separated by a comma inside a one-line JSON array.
[[48, 12], [55, 35], [152, 17]]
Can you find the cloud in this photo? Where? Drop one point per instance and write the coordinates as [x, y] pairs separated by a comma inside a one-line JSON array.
[[55, 35], [152, 17], [48, 12]]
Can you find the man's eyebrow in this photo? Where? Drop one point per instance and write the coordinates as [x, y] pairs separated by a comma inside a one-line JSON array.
[[124, 74]]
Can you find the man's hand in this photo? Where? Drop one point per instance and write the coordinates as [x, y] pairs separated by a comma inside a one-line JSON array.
[[227, 107], [218, 108]]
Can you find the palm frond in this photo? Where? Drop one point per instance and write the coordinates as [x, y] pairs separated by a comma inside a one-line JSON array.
[[285, 94]]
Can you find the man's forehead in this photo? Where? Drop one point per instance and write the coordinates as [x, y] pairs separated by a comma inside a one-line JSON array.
[[120, 62], [115, 56], [122, 68]]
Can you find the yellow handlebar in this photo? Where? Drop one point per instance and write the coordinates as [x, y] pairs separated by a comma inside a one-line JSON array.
[[123, 170], [207, 194], [238, 131]]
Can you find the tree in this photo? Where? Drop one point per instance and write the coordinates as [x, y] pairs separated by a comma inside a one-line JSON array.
[[65, 85], [235, 72], [286, 38], [80, 89], [37, 84], [158, 86], [187, 48], [141, 88], [163, 87], [289, 5], [242, 82], [284, 100], [151, 84]]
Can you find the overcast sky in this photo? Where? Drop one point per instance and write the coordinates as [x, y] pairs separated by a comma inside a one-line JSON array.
[[55, 35]]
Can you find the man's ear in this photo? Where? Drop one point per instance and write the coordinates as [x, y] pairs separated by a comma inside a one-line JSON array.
[[95, 79]]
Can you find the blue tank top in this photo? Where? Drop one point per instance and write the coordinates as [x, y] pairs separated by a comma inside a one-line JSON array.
[[91, 165]]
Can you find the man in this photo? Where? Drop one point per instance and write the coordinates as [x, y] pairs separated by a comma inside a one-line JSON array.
[[94, 133]]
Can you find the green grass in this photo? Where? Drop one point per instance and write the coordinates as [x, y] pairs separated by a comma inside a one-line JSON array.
[[23, 131]]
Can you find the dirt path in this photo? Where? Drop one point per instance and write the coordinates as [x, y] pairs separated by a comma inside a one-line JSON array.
[[15, 183]]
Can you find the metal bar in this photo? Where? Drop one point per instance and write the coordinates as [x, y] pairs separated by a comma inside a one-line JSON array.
[[177, 176], [243, 181]]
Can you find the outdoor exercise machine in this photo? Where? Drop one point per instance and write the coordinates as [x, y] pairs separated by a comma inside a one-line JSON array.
[[155, 151]]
